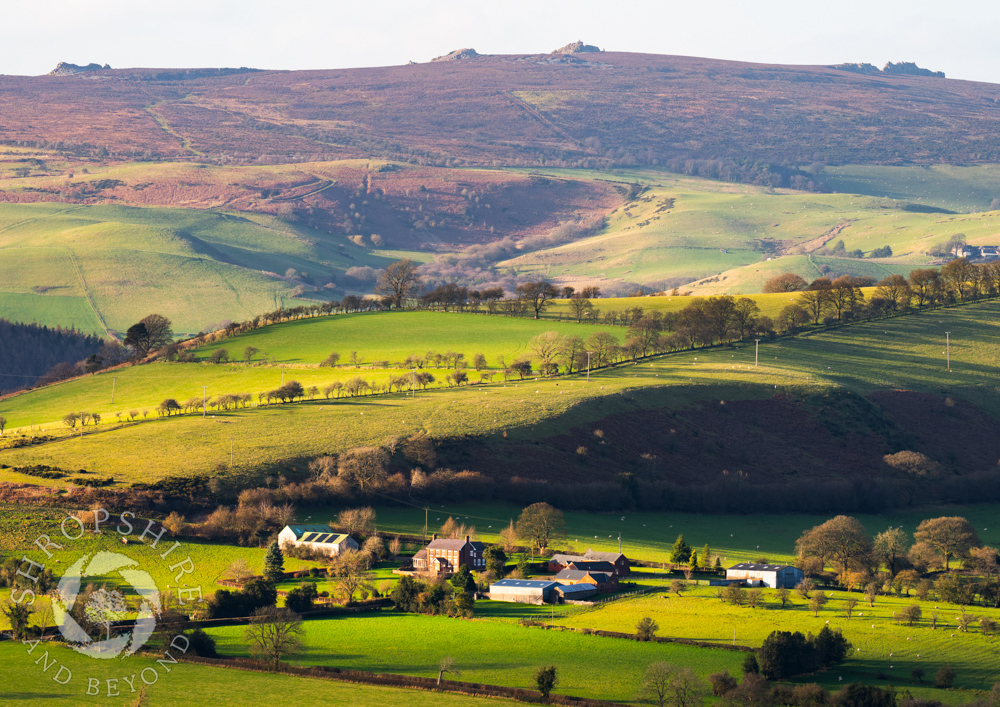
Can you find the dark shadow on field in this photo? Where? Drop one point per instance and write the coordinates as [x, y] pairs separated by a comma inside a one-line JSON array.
[[29, 696]]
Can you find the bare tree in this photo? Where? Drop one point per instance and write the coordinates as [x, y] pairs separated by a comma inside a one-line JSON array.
[[537, 295], [447, 665], [667, 684], [951, 536], [274, 632], [357, 520], [363, 466], [399, 281]]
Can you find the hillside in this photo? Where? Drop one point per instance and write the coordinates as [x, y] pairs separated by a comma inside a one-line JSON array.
[[820, 411], [576, 109]]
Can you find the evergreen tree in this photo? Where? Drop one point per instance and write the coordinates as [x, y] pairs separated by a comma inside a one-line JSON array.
[[693, 562], [463, 581], [705, 557], [274, 563], [681, 552]]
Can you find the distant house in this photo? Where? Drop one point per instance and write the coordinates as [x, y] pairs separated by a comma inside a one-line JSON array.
[[523, 591], [603, 582], [771, 576], [443, 556], [618, 560], [316, 537]]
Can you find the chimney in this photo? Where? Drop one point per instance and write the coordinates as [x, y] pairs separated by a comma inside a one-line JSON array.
[[434, 537], [466, 538]]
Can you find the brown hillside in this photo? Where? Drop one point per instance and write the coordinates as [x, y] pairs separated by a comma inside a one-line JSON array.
[[576, 109]]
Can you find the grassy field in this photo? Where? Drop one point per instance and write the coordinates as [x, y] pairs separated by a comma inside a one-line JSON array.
[[696, 228], [195, 267], [902, 353], [22, 682], [881, 645], [649, 536], [967, 189], [487, 651]]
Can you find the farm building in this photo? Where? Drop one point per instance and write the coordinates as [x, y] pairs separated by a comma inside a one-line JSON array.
[[523, 591], [771, 576], [443, 556], [620, 562], [574, 592], [316, 537], [601, 581]]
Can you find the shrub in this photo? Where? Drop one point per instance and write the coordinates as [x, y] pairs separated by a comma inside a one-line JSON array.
[[945, 677]]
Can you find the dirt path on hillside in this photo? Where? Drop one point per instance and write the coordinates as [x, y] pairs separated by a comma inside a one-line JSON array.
[[816, 243]]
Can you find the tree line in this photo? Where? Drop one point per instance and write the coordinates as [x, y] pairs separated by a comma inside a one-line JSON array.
[[29, 353]]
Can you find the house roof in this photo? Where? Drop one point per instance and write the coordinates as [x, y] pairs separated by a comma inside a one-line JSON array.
[[576, 588], [611, 557], [579, 575], [525, 583], [566, 559], [326, 538], [302, 528], [599, 566], [757, 567], [455, 544], [421, 554]]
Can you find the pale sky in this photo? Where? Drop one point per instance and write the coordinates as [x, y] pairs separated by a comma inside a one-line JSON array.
[[958, 37]]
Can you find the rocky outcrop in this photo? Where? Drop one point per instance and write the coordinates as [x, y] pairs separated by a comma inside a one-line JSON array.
[[577, 47], [65, 69], [903, 68], [859, 68], [458, 55], [908, 68]]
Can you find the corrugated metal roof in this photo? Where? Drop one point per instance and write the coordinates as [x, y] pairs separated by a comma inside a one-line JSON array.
[[524, 583], [303, 528], [577, 588]]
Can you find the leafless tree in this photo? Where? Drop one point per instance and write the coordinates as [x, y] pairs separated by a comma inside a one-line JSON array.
[[274, 632]]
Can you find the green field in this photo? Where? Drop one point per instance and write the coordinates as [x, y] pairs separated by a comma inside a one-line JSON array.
[[873, 631], [967, 189], [22, 682], [195, 267], [487, 652], [902, 353], [697, 228]]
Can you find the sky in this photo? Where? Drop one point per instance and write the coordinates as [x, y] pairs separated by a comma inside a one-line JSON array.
[[958, 37]]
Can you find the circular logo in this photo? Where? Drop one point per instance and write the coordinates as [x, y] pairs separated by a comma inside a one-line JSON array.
[[103, 607]]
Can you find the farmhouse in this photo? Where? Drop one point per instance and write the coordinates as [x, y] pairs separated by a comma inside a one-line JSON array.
[[771, 576], [444, 556], [316, 537], [618, 560], [523, 591]]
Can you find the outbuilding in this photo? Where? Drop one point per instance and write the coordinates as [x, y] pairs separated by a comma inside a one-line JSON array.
[[319, 538], [760, 575], [523, 591], [574, 592]]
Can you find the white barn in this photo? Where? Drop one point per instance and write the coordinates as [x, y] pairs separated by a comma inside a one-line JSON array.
[[523, 591], [771, 576], [316, 537]]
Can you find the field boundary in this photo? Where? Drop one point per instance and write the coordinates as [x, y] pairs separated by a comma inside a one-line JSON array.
[[397, 680]]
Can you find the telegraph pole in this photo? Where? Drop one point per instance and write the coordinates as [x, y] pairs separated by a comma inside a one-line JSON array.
[[113, 381], [947, 339], [413, 383], [756, 353], [588, 365], [204, 400]]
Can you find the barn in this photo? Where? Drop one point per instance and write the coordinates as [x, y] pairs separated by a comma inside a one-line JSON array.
[[316, 537], [523, 591], [760, 575]]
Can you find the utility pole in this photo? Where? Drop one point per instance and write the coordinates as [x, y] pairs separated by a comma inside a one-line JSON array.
[[413, 383], [113, 381], [426, 508], [619, 542], [588, 365], [230, 453], [947, 339], [756, 354], [204, 400]]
